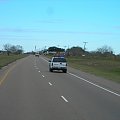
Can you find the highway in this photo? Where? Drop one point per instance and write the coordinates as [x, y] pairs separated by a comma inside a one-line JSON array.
[[28, 91]]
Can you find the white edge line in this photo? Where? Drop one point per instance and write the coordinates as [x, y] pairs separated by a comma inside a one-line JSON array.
[[95, 84], [64, 98], [50, 84], [92, 83]]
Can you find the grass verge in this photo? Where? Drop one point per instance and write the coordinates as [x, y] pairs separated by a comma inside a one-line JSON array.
[[5, 59], [106, 68]]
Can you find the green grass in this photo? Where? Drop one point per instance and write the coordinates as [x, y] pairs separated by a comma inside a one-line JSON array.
[[106, 68], [5, 59]]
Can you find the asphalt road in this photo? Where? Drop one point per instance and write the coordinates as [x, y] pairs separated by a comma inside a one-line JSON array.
[[28, 91]]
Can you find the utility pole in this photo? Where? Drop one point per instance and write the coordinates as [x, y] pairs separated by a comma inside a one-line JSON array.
[[85, 45], [35, 48], [65, 47], [84, 48]]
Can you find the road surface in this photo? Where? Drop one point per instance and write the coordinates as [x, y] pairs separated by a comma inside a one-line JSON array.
[[28, 91]]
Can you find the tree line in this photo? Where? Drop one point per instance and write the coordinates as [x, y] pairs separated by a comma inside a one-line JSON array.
[[104, 51], [13, 49]]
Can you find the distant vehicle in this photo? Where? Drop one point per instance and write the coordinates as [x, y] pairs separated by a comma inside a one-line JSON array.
[[37, 54], [58, 63]]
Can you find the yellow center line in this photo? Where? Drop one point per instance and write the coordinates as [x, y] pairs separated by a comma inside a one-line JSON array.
[[6, 74], [2, 79]]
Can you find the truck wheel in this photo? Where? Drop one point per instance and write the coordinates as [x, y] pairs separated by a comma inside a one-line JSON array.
[[65, 71], [50, 70]]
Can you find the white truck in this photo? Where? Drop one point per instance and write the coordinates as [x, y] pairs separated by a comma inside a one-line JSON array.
[[37, 54], [58, 63]]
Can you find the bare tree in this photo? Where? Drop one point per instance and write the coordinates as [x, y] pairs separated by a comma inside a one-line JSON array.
[[19, 49], [7, 48], [105, 49], [13, 49]]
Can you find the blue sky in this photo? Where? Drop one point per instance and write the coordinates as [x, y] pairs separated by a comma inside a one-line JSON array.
[[60, 23]]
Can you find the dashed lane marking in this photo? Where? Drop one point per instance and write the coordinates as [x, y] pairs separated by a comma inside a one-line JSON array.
[[64, 98], [43, 76], [50, 84]]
